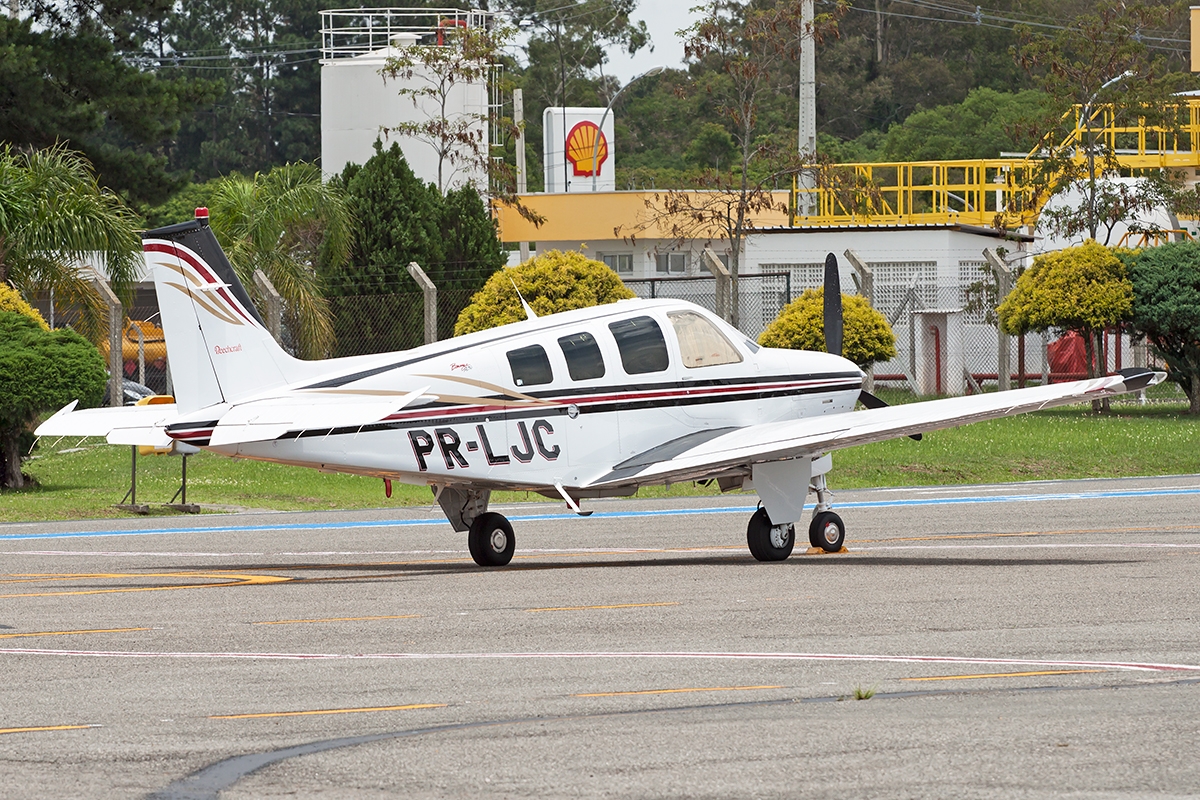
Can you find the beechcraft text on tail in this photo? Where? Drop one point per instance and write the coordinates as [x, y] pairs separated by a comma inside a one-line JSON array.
[[595, 402]]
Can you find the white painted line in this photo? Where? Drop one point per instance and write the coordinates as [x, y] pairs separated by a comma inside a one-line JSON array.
[[696, 656]]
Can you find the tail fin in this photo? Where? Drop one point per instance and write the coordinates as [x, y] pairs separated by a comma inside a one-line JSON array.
[[218, 346]]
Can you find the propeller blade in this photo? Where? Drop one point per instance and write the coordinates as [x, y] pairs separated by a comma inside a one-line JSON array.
[[871, 401], [833, 306]]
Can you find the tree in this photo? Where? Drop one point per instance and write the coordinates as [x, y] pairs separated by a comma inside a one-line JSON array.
[[1098, 72], [434, 76], [54, 217], [82, 74], [1082, 289], [1166, 309], [282, 222], [742, 43], [866, 337], [554, 281], [40, 371], [399, 220], [266, 105], [983, 125]]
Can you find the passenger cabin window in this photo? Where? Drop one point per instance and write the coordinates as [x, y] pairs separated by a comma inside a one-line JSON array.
[[530, 366], [583, 356], [641, 343], [701, 344]]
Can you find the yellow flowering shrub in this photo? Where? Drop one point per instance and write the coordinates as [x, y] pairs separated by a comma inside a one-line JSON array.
[[554, 281], [866, 337]]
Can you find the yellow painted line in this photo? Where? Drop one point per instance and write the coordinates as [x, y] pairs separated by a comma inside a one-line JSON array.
[[678, 691], [333, 619], [592, 608], [1006, 675], [225, 578], [69, 633], [47, 728], [328, 711]]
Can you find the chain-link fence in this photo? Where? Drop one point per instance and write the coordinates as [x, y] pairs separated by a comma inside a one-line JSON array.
[[761, 296]]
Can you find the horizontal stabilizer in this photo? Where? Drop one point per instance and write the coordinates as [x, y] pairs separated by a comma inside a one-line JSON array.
[[270, 418], [139, 425]]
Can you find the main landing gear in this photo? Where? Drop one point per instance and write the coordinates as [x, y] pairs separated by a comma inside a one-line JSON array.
[[770, 542], [489, 535]]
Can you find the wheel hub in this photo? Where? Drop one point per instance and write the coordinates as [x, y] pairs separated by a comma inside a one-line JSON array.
[[830, 532], [779, 536], [499, 540]]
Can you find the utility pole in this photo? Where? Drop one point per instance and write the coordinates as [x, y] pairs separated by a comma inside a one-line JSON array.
[[808, 107], [519, 124]]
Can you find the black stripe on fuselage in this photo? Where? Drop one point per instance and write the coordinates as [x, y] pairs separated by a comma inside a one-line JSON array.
[[561, 410]]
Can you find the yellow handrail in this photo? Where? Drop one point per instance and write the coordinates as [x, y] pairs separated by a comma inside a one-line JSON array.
[[998, 192]]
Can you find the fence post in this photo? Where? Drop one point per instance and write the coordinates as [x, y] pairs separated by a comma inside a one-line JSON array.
[[723, 283], [273, 304], [866, 287], [116, 361], [1003, 287], [429, 291]]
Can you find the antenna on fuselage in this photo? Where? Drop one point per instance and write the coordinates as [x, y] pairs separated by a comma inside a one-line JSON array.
[[529, 314]]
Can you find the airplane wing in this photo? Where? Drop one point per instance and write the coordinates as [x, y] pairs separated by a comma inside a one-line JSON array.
[[715, 452], [140, 425]]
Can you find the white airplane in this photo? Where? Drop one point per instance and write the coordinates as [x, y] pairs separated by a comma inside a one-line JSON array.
[[595, 402]]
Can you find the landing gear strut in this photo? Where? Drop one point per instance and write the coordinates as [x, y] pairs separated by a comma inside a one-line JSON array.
[[826, 531]]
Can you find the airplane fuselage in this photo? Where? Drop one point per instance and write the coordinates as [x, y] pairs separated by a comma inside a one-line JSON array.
[[555, 400]]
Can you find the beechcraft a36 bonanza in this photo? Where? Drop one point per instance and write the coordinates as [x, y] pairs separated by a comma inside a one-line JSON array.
[[595, 402]]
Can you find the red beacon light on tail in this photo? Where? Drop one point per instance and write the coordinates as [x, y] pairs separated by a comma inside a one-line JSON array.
[[202, 214]]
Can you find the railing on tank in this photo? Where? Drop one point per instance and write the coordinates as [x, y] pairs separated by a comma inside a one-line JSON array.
[[349, 32]]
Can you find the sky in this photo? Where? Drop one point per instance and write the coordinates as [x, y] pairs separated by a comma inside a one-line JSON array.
[[663, 18]]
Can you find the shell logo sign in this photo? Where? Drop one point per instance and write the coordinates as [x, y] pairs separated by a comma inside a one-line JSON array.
[[580, 151], [581, 148]]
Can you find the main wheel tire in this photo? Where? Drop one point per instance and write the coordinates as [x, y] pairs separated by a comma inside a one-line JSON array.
[[769, 542], [491, 540], [827, 531]]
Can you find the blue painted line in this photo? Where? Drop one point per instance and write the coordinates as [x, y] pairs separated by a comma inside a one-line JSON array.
[[404, 523]]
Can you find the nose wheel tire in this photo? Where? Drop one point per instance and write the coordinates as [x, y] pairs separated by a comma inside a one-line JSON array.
[[491, 540], [769, 542], [827, 531]]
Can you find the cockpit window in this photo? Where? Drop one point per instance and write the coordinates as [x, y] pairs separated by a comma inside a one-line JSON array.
[[643, 348], [530, 366], [701, 344], [583, 356]]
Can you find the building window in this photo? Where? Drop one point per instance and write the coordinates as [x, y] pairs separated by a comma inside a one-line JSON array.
[[620, 263], [700, 343], [584, 361], [643, 348], [530, 366], [671, 263]]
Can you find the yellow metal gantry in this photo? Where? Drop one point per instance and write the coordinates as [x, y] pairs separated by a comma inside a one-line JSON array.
[[998, 192]]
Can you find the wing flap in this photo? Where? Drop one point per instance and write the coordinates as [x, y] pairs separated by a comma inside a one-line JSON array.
[[805, 438]]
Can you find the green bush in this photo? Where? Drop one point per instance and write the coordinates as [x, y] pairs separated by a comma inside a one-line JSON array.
[[40, 371], [554, 281], [866, 338], [1166, 309]]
